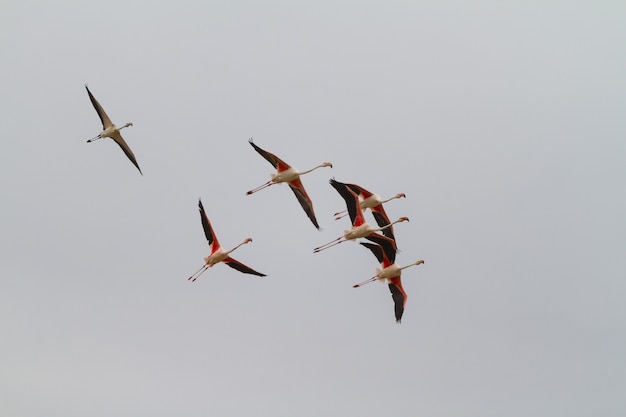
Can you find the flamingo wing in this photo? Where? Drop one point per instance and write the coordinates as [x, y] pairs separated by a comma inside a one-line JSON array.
[[376, 250], [399, 297], [276, 162], [233, 263], [208, 229], [122, 143], [106, 122], [360, 191], [352, 202], [304, 199], [387, 245], [383, 220]]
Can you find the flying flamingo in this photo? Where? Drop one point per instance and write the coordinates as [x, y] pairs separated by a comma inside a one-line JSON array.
[[290, 175], [374, 202], [111, 131], [360, 228], [390, 272], [218, 254]]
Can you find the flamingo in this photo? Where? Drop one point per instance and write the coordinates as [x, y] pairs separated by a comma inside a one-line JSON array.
[[360, 228], [375, 203], [290, 175], [390, 272], [218, 254], [111, 131]]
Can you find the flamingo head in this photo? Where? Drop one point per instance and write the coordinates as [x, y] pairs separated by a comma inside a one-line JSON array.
[[247, 240], [400, 195], [419, 262], [403, 219], [327, 164]]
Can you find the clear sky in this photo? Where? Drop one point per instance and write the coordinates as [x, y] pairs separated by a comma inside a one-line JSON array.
[[502, 122]]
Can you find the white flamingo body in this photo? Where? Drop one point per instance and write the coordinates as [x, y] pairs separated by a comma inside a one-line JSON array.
[[288, 175]]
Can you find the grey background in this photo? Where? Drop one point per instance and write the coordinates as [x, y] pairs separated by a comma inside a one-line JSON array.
[[503, 122]]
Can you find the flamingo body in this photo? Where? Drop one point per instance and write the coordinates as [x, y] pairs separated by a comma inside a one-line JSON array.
[[219, 254], [110, 130], [390, 272], [285, 173]]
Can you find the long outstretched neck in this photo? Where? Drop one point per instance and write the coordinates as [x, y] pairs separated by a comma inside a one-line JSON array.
[[401, 219], [413, 264], [325, 164], [400, 195], [248, 240]]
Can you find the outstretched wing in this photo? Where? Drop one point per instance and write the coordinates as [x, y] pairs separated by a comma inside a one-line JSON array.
[[241, 267], [304, 199], [208, 229], [376, 250], [387, 245], [276, 162], [352, 202], [360, 191], [106, 122], [383, 220], [120, 141], [399, 297]]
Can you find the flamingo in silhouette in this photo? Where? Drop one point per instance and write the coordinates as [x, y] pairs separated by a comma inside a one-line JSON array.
[[389, 272], [360, 228], [111, 131], [290, 175], [218, 254], [374, 202]]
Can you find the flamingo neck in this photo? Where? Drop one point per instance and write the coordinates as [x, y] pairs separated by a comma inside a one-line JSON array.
[[312, 169], [389, 199], [413, 264], [233, 249]]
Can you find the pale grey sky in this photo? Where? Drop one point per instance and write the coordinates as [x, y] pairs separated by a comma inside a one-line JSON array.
[[503, 122]]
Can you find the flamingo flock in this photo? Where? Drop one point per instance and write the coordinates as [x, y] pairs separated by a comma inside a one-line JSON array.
[[382, 241]]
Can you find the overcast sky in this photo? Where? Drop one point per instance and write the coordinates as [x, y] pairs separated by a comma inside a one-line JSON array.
[[502, 122]]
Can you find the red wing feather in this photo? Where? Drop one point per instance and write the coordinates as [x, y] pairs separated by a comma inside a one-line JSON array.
[[276, 162], [208, 229], [352, 202], [399, 297]]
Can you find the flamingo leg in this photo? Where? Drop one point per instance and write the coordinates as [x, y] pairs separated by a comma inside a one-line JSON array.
[[341, 215], [329, 244], [259, 188], [367, 281], [94, 138], [199, 272]]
